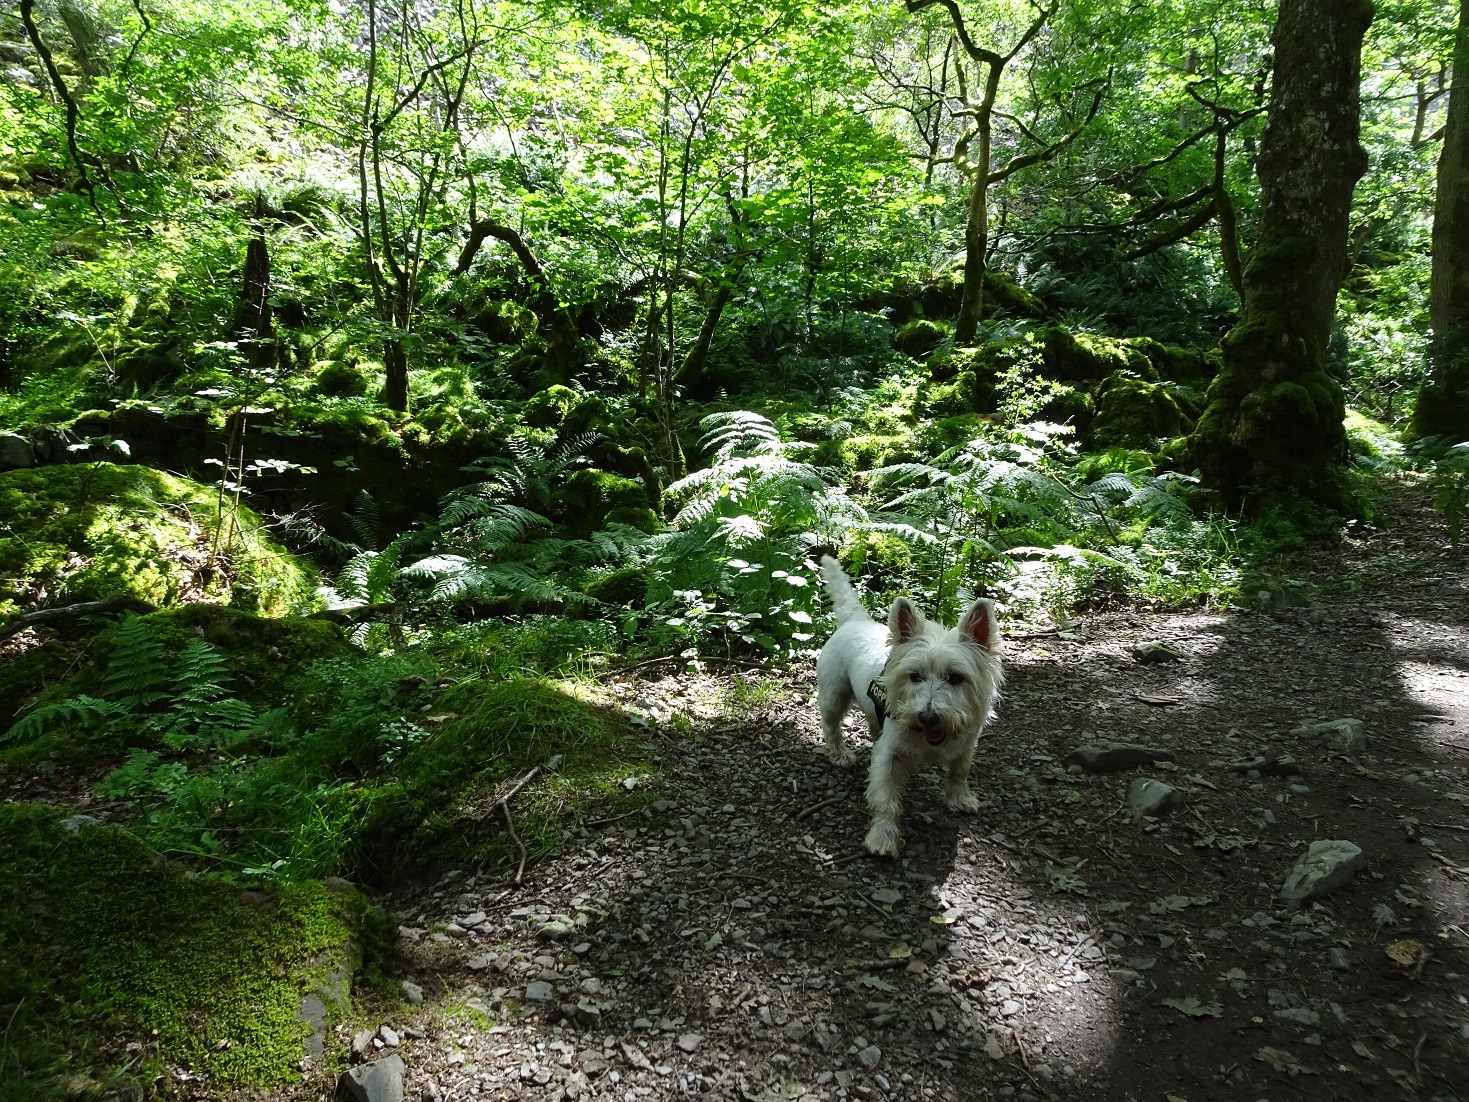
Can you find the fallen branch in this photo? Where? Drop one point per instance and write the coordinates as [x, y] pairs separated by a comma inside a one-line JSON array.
[[355, 614], [814, 808], [118, 603], [504, 803]]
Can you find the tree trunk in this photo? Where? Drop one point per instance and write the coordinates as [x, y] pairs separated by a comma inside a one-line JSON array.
[[1443, 400], [253, 325], [1272, 428], [395, 388], [91, 51], [691, 372], [976, 234]]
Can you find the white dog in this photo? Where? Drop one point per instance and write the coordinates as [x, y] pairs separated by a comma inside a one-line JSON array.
[[927, 692]]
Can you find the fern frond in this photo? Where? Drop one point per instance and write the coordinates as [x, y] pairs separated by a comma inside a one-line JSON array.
[[80, 709]]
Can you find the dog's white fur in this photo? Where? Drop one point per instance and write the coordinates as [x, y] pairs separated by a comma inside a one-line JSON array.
[[941, 689]]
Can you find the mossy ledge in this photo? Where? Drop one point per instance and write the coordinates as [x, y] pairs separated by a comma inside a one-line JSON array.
[[104, 943]]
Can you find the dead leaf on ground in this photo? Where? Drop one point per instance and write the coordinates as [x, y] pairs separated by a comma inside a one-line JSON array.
[[1193, 1007], [1282, 1061], [1171, 903], [1407, 953]]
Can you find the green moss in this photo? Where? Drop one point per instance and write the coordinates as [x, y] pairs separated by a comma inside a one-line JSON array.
[[919, 337], [86, 531], [1073, 357], [549, 408], [593, 498], [342, 379], [443, 797], [1372, 440], [880, 557], [100, 939], [626, 585], [1132, 412]]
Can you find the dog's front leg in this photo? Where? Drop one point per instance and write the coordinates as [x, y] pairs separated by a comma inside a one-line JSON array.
[[956, 782], [885, 785]]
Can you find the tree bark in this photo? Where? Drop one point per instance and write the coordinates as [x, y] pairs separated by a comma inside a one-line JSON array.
[[1272, 428], [253, 326], [1443, 400], [564, 356]]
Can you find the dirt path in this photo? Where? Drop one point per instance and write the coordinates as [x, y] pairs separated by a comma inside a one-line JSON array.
[[731, 944]]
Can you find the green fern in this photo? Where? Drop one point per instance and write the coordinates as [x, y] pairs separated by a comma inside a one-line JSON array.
[[138, 674], [80, 710]]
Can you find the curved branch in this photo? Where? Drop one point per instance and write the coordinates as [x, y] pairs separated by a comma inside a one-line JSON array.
[[28, 17]]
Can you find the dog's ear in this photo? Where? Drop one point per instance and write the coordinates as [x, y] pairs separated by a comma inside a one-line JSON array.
[[980, 626], [904, 621]]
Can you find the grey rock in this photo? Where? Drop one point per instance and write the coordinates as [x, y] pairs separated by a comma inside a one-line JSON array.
[[1110, 757], [1349, 736], [1146, 796], [1152, 654], [389, 1036], [870, 1057], [14, 53], [430, 1092], [1278, 765], [16, 452], [338, 884], [78, 823], [555, 930], [1326, 866], [380, 1081], [538, 991], [326, 1001], [690, 1042], [362, 1042], [1339, 959], [411, 992], [17, 75]]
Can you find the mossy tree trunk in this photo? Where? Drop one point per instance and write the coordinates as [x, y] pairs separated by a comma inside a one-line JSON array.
[[1273, 424], [1443, 400]]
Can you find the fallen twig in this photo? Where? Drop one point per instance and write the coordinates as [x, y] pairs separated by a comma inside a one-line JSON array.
[[120, 602], [504, 804], [814, 808], [615, 818]]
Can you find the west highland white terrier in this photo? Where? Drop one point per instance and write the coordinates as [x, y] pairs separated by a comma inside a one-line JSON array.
[[927, 692]]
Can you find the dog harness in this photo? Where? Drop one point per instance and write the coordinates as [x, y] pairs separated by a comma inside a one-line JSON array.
[[877, 692]]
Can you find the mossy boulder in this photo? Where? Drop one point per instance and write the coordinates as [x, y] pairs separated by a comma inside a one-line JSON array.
[[591, 414], [341, 379], [100, 938], [549, 408], [506, 322], [919, 337], [1086, 357], [880, 557], [593, 498], [1134, 412], [86, 531], [626, 585]]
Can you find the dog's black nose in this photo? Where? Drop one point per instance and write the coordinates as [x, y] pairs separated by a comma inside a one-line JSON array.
[[929, 719]]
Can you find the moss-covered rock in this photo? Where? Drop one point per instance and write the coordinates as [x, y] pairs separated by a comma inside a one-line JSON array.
[[880, 557], [86, 531], [1083, 357], [549, 408], [341, 379], [919, 337], [626, 585], [100, 937], [1134, 412], [506, 322], [593, 498]]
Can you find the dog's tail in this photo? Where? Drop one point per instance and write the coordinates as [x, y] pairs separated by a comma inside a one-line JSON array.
[[844, 602]]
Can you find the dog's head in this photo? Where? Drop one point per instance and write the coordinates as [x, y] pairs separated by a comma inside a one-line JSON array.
[[941, 682]]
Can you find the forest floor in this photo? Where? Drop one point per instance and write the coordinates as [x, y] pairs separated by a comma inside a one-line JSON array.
[[734, 940]]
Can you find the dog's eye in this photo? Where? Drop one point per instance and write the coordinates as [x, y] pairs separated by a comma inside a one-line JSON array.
[[915, 677], [956, 679]]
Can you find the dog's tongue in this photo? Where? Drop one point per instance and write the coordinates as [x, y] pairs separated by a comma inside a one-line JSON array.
[[934, 738]]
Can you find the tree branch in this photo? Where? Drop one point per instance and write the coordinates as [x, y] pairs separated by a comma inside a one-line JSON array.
[[28, 17], [1042, 155], [1198, 221]]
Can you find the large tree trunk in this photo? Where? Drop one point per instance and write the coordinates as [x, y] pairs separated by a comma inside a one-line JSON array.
[[1443, 400], [976, 237], [395, 365], [1273, 424]]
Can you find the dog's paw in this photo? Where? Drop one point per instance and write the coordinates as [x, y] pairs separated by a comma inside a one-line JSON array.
[[962, 801], [841, 755], [882, 839]]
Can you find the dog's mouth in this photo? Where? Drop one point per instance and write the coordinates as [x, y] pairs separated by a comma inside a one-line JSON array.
[[934, 736]]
